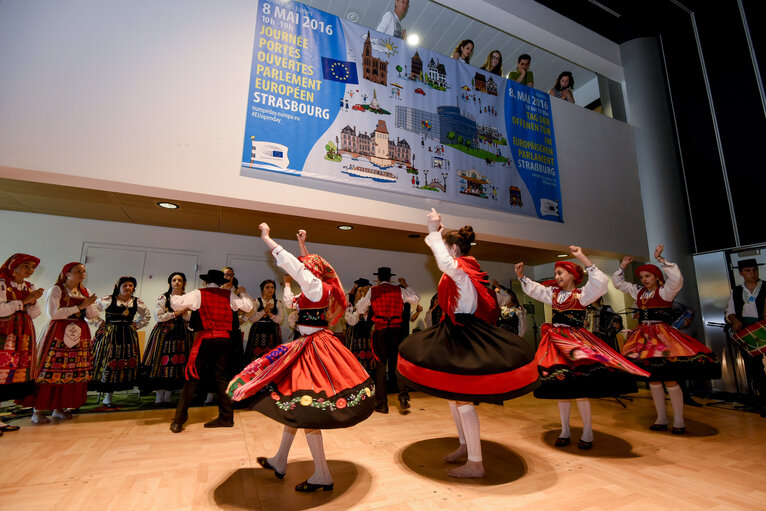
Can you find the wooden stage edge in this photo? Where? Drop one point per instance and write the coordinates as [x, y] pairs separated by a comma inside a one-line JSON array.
[[131, 461]]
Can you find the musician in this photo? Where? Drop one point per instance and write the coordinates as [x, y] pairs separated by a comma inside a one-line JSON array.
[[746, 306], [604, 322]]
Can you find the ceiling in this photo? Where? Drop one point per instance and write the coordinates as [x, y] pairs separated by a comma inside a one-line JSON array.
[[441, 29], [50, 199]]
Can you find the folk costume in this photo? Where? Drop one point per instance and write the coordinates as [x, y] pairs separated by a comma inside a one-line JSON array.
[[116, 357], [209, 355], [666, 353], [574, 363], [387, 303], [512, 318], [266, 333], [359, 332], [167, 348], [17, 331], [64, 358], [466, 357]]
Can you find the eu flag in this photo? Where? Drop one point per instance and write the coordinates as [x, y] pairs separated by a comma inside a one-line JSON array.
[[339, 70]]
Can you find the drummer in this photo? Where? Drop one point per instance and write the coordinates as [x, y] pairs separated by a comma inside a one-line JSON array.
[[746, 306]]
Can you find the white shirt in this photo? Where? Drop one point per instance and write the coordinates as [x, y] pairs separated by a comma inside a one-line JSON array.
[[408, 295], [596, 287], [142, 313], [468, 298], [7, 308], [267, 304], [353, 315], [193, 301], [390, 24], [310, 284], [749, 310], [668, 290], [162, 314], [53, 298]]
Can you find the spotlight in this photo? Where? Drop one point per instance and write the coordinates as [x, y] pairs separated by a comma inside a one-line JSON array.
[[345, 227], [562, 255], [168, 205]]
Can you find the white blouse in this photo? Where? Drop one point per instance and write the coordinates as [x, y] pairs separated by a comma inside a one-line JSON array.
[[596, 287], [353, 316], [310, 284], [53, 298], [193, 301], [668, 290], [162, 314], [257, 315], [468, 300], [142, 312], [7, 308]]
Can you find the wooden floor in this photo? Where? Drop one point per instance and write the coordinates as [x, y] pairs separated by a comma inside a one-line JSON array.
[[131, 461]]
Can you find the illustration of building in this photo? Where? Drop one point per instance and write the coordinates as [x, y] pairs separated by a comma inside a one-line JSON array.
[[480, 82], [377, 146], [418, 121], [472, 183], [452, 121], [416, 67], [437, 75], [374, 69], [491, 87]]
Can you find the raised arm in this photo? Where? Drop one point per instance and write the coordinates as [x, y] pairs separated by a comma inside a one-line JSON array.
[[310, 285], [531, 288], [675, 280], [598, 282], [618, 278]]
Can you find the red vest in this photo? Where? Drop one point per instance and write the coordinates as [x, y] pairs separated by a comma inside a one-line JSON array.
[[215, 313], [314, 313], [653, 302], [387, 305]]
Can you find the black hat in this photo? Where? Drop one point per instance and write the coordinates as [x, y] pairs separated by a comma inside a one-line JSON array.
[[362, 282], [747, 263], [384, 273], [214, 277]]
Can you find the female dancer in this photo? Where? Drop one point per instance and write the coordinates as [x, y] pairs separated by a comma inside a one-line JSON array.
[[18, 307], [669, 355], [574, 363], [115, 348], [265, 334], [359, 327], [313, 382], [465, 357], [169, 344], [513, 317], [64, 359]]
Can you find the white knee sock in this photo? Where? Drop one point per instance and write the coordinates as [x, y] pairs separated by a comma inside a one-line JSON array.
[[677, 402], [160, 394], [458, 422], [470, 421], [321, 470], [279, 460], [658, 396], [108, 398], [565, 407], [587, 429]]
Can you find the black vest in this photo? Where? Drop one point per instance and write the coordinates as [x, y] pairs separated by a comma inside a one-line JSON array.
[[739, 301]]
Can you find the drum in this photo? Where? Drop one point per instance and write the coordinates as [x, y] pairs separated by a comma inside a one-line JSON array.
[[752, 339]]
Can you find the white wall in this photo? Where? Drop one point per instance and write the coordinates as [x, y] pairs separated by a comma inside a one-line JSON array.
[[150, 98]]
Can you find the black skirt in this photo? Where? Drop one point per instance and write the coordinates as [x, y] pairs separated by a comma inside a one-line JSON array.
[[468, 361]]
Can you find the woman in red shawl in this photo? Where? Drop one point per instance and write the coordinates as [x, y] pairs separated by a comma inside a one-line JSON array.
[[668, 354], [314, 382], [466, 357], [64, 359], [18, 307]]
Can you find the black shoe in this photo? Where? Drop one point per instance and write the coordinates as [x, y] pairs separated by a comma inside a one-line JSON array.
[[381, 409], [658, 427], [404, 402], [582, 444], [306, 487], [264, 462], [562, 442], [219, 423], [678, 431], [176, 427]]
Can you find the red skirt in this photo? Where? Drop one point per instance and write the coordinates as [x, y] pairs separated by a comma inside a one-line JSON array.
[[669, 354], [574, 363], [17, 356], [313, 382]]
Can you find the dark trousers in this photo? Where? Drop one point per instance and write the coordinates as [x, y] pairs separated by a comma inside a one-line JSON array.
[[212, 365], [385, 346]]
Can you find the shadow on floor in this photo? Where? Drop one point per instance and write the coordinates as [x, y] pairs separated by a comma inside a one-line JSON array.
[[604, 445]]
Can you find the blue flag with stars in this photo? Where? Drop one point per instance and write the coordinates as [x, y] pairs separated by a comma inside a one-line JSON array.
[[339, 71]]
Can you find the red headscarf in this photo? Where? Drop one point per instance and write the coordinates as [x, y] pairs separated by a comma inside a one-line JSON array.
[[550, 283], [574, 269], [6, 270], [653, 269], [62, 277], [326, 273]]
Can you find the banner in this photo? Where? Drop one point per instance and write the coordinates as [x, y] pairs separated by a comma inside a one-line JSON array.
[[339, 102]]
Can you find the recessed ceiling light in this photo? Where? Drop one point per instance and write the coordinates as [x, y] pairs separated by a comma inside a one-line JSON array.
[[352, 16], [345, 227], [563, 255], [413, 235], [413, 39], [473, 243], [168, 205]]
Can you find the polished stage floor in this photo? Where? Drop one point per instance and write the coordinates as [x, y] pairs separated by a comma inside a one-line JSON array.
[[131, 461]]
